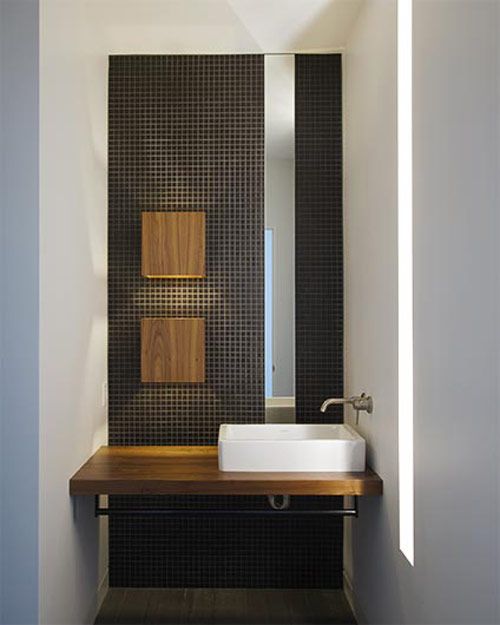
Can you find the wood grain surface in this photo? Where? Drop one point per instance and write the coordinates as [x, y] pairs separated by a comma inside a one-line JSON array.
[[194, 470], [173, 244], [172, 350], [225, 606]]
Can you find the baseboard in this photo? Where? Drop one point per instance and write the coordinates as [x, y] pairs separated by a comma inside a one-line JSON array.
[[102, 591], [100, 594], [351, 598], [348, 591]]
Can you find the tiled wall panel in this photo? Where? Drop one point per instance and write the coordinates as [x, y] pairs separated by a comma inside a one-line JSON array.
[[319, 288], [225, 552], [187, 133], [319, 307]]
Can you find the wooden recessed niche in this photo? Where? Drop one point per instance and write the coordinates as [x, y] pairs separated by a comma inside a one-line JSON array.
[[173, 244], [172, 350]]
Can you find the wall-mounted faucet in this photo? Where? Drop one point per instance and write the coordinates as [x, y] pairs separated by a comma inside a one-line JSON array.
[[358, 402]]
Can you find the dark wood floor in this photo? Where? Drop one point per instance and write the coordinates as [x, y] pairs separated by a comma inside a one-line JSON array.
[[205, 606]]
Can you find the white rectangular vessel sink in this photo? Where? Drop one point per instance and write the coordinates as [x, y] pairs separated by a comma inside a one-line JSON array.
[[290, 447]]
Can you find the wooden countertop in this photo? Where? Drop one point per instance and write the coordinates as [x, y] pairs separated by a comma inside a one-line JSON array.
[[194, 471]]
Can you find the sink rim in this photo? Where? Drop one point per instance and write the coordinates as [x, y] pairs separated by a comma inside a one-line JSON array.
[[355, 437], [344, 451]]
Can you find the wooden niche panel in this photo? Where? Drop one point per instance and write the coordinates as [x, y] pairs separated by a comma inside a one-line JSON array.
[[172, 350], [173, 244]]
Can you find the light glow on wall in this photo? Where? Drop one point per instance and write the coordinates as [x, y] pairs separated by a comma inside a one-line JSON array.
[[405, 281]]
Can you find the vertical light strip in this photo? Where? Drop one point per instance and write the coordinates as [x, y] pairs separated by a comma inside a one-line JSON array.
[[405, 280]]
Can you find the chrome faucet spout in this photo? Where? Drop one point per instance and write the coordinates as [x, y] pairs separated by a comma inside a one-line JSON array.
[[358, 402], [332, 401]]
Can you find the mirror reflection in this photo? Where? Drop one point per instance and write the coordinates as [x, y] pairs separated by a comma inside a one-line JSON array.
[[279, 238]]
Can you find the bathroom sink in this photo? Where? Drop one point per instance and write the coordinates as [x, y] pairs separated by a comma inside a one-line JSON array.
[[290, 447]]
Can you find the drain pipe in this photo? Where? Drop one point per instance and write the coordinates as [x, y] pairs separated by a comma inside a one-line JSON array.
[[279, 502]]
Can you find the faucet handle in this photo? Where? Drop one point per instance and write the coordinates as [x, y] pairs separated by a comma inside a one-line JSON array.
[[363, 402]]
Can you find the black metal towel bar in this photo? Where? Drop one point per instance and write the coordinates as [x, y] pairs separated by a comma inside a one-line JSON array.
[[230, 512]]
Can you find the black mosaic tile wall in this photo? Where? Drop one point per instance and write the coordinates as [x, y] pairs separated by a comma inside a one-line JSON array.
[[319, 288], [319, 305], [225, 552], [187, 132]]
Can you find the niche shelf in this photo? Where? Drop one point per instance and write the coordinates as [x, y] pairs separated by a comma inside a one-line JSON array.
[[173, 244], [172, 350]]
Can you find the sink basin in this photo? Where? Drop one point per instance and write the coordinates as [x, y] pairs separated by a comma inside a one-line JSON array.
[[290, 447]]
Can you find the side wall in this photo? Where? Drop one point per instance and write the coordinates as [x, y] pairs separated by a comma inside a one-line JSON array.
[[370, 248], [456, 310], [456, 227], [72, 308], [19, 312]]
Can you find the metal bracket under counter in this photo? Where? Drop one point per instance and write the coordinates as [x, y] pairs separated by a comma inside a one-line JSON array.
[[177, 513]]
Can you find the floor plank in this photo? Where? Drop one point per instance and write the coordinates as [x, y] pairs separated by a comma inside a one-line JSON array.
[[168, 607], [299, 606], [134, 607], [231, 606], [222, 606], [339, 607], [202, 606], [278, 607], [111, 606]]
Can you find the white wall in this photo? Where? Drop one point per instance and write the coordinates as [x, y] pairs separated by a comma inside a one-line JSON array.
[[19, 312], [455, 578], [370, 247], [456, 307], [73, 325]]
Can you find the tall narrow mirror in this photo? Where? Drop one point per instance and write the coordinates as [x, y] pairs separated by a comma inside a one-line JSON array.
[[279, 238]]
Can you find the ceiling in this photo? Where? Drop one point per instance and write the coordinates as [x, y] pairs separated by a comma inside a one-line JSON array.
[[297, 25], [220, 26]]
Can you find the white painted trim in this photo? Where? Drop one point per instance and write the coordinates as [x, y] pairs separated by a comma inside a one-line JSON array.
[[102, 590], [351, 598], [348, 590], [100, 595]]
